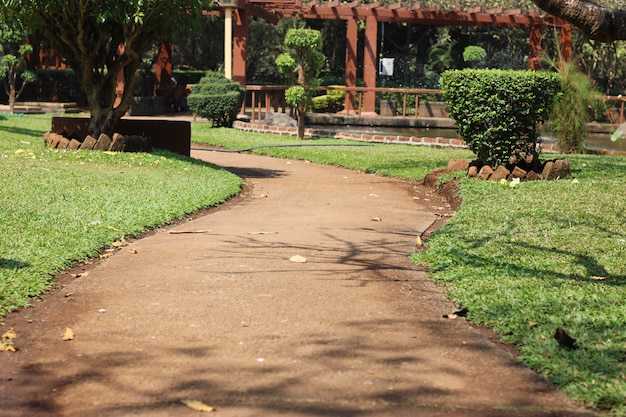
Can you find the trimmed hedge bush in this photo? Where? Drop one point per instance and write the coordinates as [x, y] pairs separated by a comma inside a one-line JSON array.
[[498, 112], [216, 98], [331, 102]]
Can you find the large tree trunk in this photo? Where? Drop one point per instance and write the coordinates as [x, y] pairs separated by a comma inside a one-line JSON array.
[[597, 22], [98, 54], [101, 94]]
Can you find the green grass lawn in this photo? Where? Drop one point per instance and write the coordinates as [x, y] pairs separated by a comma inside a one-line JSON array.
[[60, 207], [523, 260]]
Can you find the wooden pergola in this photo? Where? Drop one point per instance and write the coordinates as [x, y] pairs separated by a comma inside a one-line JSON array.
[[372, 14]]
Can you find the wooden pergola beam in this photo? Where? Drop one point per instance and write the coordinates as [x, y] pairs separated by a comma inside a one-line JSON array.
[[417, 14], [373, 13]]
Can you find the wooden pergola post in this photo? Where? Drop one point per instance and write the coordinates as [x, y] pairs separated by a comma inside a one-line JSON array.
[[240, 45], [352, 32], [565, 43], [369, 65], [535, 48], [163, 66]]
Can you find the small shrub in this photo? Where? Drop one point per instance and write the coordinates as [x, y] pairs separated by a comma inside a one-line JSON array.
[[498, 112], [331, 102], [474, 54], [216, 98]]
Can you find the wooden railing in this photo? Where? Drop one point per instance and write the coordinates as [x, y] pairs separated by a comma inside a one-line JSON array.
[[272, 97], [262, 99]]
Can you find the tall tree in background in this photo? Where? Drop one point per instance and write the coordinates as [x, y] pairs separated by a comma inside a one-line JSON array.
[[13, 67], [103, 41], [13, 64]]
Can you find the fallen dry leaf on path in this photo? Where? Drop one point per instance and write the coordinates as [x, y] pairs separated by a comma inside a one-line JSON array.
[[376, 219], [7, 340], [82, 274], [68, 334], [198, 405], [119, 243], [444, 214]]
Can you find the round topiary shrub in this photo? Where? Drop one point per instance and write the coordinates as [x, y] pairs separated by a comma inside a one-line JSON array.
[[216, 98]]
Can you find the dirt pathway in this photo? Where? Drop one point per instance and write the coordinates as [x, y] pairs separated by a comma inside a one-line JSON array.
[[222, 315]]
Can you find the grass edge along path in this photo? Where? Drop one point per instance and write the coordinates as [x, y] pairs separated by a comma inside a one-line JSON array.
[[62, 207], [524, 258]]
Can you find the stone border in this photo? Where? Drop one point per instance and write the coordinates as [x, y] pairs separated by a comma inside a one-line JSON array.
[[171, 135], [393, 139]]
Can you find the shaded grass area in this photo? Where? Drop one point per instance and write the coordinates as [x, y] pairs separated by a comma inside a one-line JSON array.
[[60, 207], [524, 260]]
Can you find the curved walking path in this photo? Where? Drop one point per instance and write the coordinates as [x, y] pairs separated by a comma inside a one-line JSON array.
[[221, 315]]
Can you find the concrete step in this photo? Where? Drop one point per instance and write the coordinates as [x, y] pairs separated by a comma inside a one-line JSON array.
[[34, 107]]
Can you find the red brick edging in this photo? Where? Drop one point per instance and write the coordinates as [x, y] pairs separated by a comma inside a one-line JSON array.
[[363, 137]]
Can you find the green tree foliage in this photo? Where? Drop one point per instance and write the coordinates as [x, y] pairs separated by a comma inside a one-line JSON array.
[[13, 64], [302, 64], [605, 63], [474, 55], [216, 98], [264, 45], [200, 49], [13, 67], [498, 112], [101, 39]]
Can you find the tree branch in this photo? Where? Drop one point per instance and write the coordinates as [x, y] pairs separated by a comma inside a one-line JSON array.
[[597, 22]]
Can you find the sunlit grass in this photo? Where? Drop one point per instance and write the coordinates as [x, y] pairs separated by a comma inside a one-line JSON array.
[[60, 207]]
